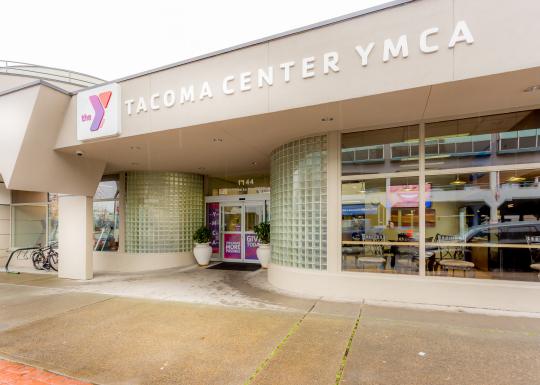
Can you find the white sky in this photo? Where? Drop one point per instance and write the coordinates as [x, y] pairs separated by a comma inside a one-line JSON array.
[[116, 38]]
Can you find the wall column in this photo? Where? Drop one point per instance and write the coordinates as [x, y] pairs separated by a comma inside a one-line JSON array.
[[75, 237], [333, 256]]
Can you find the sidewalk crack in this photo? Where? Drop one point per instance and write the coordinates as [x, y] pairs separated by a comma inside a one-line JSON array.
[[264, 364], [339, 374]]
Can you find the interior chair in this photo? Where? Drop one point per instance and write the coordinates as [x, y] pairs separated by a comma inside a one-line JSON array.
[[406, 257], [452, 257], [373, 253]]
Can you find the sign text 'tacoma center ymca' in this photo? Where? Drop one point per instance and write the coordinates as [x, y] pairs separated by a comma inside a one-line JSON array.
[[306, 68]]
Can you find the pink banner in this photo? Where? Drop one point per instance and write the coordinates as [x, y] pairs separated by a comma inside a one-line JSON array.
[[251, 246], [406, 195], [232, 246], [212, 222]]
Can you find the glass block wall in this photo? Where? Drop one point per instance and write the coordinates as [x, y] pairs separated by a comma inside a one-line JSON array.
[[163, 209], [299, 200]]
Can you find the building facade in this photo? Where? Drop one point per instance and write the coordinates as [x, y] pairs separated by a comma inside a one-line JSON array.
[[393, 151]]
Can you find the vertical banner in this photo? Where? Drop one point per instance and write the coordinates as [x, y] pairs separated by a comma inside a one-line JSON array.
[[232, 246], [251, 246], [212, 221]]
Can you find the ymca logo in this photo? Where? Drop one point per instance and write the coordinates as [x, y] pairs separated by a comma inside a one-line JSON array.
[[99, 103], [98, 112]]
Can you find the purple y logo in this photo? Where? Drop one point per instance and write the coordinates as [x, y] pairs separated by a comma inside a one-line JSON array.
[[99, 103]]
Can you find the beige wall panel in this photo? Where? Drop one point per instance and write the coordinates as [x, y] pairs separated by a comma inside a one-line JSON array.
[[387, 109], [5, 194], [4, 226], [5, 229], [134, 262], [67, 135], [220, 107], [11, 81], [4, 211], [75, 225], [483, 95], [38, 166], [15, 110], [19, 196], [353, 80], [379, 94], [506, 36]]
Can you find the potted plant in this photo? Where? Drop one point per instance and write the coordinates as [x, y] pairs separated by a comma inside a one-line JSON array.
[[202, 249], [262, 230]]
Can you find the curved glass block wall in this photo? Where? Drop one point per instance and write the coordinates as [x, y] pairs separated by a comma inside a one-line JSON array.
[[299, 200], [163, 209]]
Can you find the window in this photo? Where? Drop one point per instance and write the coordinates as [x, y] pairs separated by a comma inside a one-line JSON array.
[[481, 199], [29, 225], [380, 221], [106, 216], [380, 151], [53, 217], [484, 141]]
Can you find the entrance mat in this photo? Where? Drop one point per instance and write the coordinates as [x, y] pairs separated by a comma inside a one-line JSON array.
[[236, 266]]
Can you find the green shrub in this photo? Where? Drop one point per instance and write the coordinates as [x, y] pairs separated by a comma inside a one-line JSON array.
[[202, 235], [262, 231]]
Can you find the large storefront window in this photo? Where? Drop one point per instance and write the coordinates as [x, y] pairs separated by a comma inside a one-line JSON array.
[[487, 225], [481, 202], [106, 216], [380, 221]]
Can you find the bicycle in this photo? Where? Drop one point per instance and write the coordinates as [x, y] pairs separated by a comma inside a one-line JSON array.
[[46, 258]]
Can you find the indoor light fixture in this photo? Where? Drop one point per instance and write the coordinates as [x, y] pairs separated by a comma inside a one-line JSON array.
[[359, 188], [515, 179], [458, 182]]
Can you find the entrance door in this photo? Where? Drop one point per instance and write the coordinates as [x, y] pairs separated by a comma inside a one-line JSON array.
[[253, 215], [238, 239], [232, 216]]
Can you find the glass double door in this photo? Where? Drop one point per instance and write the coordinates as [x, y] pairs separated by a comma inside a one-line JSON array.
[[238, 239]]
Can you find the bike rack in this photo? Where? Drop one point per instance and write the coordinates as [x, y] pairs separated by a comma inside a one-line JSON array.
[[13, 253]]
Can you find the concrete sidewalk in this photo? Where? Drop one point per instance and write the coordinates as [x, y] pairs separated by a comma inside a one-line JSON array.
[[258, 337]]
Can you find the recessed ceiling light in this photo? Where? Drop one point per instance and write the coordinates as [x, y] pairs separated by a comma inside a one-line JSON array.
[[217, 140], [532, 88]]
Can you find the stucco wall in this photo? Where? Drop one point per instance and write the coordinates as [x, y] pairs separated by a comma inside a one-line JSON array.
[[504, 39]]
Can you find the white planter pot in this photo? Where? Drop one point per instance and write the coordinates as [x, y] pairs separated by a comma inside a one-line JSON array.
[[264, 251], [203, 253]]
